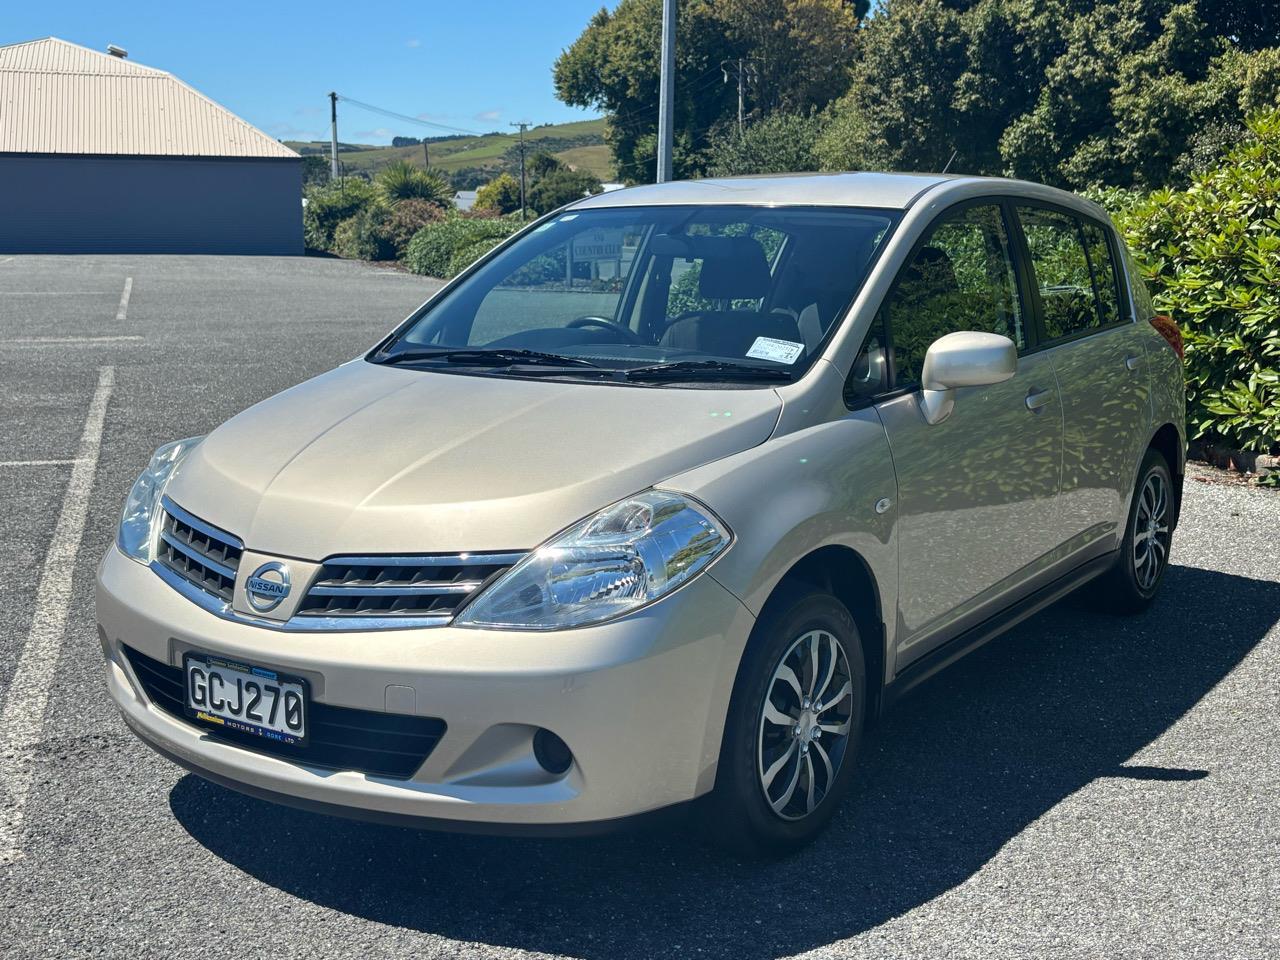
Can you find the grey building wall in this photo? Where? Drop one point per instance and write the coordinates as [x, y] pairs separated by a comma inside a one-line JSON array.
[[113, 204]]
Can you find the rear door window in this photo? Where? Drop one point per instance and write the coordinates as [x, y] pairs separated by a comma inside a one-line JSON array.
[[1075, 274]]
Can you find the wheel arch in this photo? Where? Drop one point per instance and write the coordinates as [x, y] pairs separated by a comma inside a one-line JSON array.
[[1167, 441], [846, 575]]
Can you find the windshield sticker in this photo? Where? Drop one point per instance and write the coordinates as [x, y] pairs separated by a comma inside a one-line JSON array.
[[780, 351]]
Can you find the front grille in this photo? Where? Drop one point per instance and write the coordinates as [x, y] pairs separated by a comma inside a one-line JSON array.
[[199, 553], [391, 587], [338, 738]]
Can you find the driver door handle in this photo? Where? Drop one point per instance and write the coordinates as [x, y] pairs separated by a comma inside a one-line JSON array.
[[1132, 363], [1037, 399]]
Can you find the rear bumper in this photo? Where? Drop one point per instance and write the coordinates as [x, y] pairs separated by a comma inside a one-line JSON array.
[[640, 702]]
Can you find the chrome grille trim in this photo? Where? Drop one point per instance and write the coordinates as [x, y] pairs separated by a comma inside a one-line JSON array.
[[190, 553], [392, 587], [197, 552], [398, 592]]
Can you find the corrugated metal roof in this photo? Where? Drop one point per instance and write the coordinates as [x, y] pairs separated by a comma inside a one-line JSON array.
[[58, 97]]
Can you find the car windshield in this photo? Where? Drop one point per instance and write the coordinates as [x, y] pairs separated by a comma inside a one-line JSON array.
[[731, 293]]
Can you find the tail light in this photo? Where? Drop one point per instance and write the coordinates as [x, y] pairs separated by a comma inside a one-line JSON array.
[[1169, 330]]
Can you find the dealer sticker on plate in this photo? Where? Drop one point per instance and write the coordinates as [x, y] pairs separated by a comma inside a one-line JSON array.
[[245, 698], [782, 351]]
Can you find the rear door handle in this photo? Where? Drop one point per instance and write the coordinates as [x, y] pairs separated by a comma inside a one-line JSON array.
[[1132, 363], [1037, 399]]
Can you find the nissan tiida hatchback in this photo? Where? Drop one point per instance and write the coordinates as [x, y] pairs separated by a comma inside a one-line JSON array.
[[665, 499]]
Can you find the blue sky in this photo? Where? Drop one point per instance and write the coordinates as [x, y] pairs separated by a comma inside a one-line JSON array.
[[476, 65]]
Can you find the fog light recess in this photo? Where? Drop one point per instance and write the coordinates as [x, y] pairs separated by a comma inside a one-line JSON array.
[[551, 752]]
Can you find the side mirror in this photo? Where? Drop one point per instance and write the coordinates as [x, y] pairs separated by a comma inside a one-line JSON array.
[[965, 359]]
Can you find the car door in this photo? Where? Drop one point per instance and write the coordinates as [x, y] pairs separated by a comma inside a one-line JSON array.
[[977, 507], [1099, 358]]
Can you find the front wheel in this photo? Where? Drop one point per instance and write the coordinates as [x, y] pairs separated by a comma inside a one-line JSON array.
[[1132, 584], [795, 722]]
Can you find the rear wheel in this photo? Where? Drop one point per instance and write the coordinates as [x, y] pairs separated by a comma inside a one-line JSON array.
[[1139, 569], [794, 726]]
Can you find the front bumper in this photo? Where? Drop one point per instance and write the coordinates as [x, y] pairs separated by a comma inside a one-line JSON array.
[[640, 702]]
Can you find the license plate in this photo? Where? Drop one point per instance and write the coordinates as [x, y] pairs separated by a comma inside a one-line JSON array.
[[249, 699]]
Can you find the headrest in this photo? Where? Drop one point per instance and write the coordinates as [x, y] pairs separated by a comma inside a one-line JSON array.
[[733, 268]]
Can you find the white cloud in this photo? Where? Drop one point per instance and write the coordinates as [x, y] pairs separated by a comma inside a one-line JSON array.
[[488, 115], [381, 132], [413, 43]]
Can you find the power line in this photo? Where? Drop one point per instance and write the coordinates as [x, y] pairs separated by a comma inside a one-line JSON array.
[[405, 117]]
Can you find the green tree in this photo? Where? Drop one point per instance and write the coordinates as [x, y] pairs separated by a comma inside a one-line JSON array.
[[1069, 92], [501, 194], [796, 49], [559, 187], [402, 180], [780, 143]]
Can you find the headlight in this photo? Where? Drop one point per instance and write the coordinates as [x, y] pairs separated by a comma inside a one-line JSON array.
[[624, 557], [136, 534]]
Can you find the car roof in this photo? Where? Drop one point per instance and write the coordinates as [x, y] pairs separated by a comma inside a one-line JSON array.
[[887, 190], [892, 191]]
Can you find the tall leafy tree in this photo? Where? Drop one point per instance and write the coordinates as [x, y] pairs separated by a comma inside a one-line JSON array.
[[795, 53]]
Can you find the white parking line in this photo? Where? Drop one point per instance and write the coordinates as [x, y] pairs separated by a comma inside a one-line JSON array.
[[37, 463], [53, 293], [40, 341], [124, 298], [23, 717]]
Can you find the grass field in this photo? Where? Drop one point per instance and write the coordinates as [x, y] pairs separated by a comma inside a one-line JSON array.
[[585, 150]]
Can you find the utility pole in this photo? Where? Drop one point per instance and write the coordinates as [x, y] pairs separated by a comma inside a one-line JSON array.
[[426, 157], [746, 70], [666, 91], [333, 135], [521, 124]]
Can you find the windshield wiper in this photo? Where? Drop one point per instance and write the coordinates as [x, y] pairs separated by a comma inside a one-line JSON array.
[[498, 357], [707, 370]]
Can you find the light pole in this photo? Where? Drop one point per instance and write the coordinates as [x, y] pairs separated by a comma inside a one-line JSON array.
[[666, 89]]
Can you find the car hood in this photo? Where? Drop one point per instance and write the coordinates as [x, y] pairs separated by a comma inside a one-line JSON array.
[[376, 459]]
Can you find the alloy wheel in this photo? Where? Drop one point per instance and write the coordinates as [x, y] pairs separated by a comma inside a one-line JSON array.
[[804, 725], [1151, 531]]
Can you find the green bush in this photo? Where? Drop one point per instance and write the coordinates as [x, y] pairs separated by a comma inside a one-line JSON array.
[[438, 249], [363, 236], [560, 186], [502, 194], [1211, 254], [401, 180], [328, 205], [781, 143], [405, 219]]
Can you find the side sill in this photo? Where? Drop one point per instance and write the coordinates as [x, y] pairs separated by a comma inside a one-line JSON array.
[[973, 638]]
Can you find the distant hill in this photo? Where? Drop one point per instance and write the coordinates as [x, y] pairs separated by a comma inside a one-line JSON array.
[[579, 144]]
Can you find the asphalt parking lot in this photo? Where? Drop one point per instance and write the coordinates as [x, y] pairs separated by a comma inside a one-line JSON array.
[[1083, 787]]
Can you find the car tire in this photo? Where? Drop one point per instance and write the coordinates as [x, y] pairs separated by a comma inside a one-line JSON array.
[[1133, 581], [786, 765]]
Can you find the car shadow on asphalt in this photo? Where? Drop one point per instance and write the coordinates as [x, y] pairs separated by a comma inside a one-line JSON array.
[[950, 777]]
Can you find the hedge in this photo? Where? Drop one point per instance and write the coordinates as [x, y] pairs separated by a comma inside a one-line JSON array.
[[1211, 255], [444, 249]]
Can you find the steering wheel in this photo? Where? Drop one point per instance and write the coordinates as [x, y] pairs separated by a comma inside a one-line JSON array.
[[627, 334]]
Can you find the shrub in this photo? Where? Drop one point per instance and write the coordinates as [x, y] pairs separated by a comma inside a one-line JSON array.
[[405, 219], [330, 204], [401, 180], [782, 143], [1211, 254], [363, 236], [501, 194], [438, 249], [559, 187]]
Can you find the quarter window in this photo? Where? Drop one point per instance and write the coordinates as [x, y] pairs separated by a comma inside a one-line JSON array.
[[1074, 272], [961, 277]]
